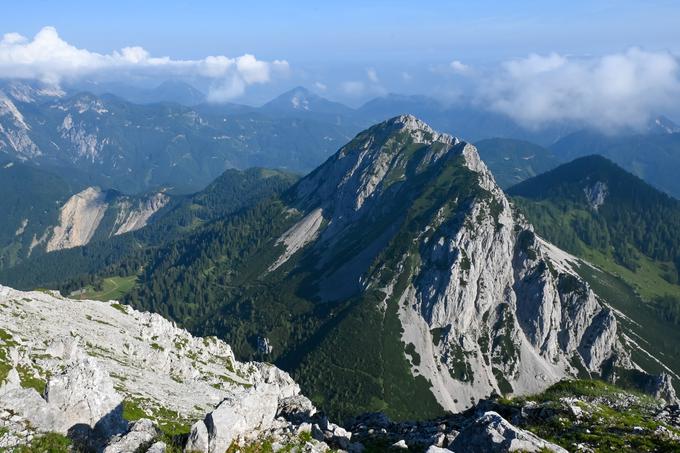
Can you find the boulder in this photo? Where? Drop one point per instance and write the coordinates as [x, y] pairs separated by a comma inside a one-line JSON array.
[[334, 435], [491, 433], [158, 447], [28, 405], [80, 398], [435, 449], [141, 433], [239, 414], [297, 408], [400, 445], [84, 396], [199, 438], [661, 387]]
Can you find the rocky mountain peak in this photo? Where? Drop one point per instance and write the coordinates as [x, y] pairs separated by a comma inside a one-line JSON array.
[[381, 153], [485, 305], [301, 101], [31, 92], [420, 131]]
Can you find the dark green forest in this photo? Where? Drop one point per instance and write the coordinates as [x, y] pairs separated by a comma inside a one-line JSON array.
[[634, 222]]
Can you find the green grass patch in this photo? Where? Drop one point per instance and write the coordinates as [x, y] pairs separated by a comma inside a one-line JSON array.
[[647, 280], [169, 422], [612, 418], [112, 288], [157, 347], [29, 380], [47, 443]]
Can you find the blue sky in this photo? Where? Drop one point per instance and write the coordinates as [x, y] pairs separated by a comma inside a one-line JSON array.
[[350, 50], [354, 30]]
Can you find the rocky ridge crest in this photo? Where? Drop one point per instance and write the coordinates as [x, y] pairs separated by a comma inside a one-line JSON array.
[[489, 307]]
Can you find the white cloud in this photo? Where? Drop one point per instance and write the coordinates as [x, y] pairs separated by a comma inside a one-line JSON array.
[[320, 86], [50, 59], [353, 87], [361, 88], [406, 76], [372, 75], [369, 86], [609, 92], [459, 67]]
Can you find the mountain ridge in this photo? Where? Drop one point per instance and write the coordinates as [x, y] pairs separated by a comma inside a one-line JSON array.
[[402, 235], [627, 228]]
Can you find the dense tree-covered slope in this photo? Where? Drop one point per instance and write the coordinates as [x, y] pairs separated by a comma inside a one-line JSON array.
[[44, 213], [29, 205], [125, 254], [595, 209], [620, 213]]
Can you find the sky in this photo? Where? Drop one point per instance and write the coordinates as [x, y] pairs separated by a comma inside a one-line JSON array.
[[533, 56]]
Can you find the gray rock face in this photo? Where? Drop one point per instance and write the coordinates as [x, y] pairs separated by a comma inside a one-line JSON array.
[[489, 307], [141, 434], [83, 394], [81, 216], [133, 216], [140, 356], [347, 186], [596, 194], [240, 414], [145, 356], [661, 387], [491, 433], [14, 131], [511, 310], [79, 401]]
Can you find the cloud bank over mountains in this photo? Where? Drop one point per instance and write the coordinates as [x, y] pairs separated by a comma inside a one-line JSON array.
[[50, 59], [609, 92]]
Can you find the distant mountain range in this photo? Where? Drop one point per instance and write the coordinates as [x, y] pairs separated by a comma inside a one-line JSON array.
[[654, 157], [169, 138], [173, 91], [107, 141], [512, 161]]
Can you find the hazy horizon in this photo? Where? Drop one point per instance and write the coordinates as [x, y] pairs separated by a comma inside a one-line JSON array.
[[532, 61]]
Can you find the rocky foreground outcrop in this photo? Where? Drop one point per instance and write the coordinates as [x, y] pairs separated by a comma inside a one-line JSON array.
[[75, 367], [115, 380]]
